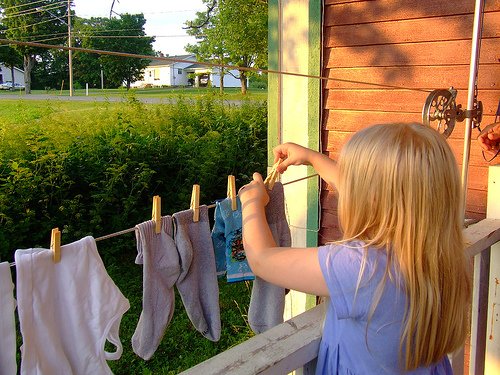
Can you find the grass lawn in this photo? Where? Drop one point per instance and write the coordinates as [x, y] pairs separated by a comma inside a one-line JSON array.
[[36, 124], [24, 111], [167, 92]]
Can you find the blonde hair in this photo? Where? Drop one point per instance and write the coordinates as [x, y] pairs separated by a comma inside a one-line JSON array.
[[399, 189]]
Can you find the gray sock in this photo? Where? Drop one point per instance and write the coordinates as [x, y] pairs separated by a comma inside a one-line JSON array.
[[197, 283], [8, 363], [161, 269], [267, 303]]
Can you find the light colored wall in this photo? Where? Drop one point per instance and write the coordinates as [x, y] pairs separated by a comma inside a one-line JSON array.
[[7, 74], [294, 46], [492, 360], [178, 79], [169, 76], [229, 80], [149, 77]]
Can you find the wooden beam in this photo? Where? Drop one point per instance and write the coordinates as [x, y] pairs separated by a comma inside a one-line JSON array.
[[375, 11], [379, 100], [277, 351], [411, 77], [410, 31], [481, 236], [453, 52]]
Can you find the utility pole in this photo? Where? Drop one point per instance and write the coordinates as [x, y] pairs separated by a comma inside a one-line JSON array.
[[70, 58]]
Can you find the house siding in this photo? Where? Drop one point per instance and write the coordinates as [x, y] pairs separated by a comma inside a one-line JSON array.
[[422, 45], [160, 73], [229, 79], [6, 74]]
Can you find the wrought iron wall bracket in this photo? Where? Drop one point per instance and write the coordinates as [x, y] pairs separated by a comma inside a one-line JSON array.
[[441, 112]]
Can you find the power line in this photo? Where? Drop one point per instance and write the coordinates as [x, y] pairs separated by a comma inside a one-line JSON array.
[[129, 36], [46, 40], [110, 30], [154, 13], [79, 33], [34, 24], [28, 11], [47, 35], [59, 36], [174, 11], [214, 65], [22, 5]]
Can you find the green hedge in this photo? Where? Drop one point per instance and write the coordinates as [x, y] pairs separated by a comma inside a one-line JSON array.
[[94, 170]]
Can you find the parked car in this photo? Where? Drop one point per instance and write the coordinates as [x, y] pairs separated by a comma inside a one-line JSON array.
[[7, 85]]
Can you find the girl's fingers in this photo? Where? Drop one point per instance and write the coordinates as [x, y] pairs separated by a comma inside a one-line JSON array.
[[283, 166], [258, 178]]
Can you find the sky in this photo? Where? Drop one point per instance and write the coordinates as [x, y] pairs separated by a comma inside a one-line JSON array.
[[165, 18]]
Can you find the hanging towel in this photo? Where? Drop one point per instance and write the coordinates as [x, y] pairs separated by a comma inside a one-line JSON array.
[[158, 254], [228, 242], [267, 303], [8, 364], [67, 311], [197, 283]]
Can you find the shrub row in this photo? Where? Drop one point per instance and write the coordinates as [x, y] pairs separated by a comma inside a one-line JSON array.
[[94, 171]]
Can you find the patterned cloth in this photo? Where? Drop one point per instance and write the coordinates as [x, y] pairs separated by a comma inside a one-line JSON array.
[[230, 257]]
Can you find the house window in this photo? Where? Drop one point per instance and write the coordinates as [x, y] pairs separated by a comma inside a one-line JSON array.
[[157, 75], [179, 71]]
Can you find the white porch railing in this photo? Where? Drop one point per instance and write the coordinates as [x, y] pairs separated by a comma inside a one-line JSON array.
[[294, 344]]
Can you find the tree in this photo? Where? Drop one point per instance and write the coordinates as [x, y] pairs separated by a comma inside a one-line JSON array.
[[123, 34], [51, 69], [25, 20], [211, 45], [233, 31]]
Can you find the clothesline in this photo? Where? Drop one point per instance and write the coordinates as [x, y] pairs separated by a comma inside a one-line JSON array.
[[205, 63], [129, 230]]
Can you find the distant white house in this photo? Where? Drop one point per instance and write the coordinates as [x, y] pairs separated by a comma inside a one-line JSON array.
[[6, 74], [163, 73]]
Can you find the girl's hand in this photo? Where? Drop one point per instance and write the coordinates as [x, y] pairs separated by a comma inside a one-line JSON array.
[[254, 192], [291, 154], [489, 139]]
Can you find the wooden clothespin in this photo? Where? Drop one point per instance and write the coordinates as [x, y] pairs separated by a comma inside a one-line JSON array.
[[157, 213], [55, 244], [195, 203], [273, 176], [231, 191]]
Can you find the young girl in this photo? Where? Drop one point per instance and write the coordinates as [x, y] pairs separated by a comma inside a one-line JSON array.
[[398, 280]]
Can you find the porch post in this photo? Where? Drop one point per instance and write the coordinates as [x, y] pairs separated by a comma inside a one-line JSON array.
[[492, 356], [294, 115]]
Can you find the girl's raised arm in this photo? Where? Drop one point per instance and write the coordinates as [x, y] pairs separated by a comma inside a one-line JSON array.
[[294, 154], [291, 268]]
